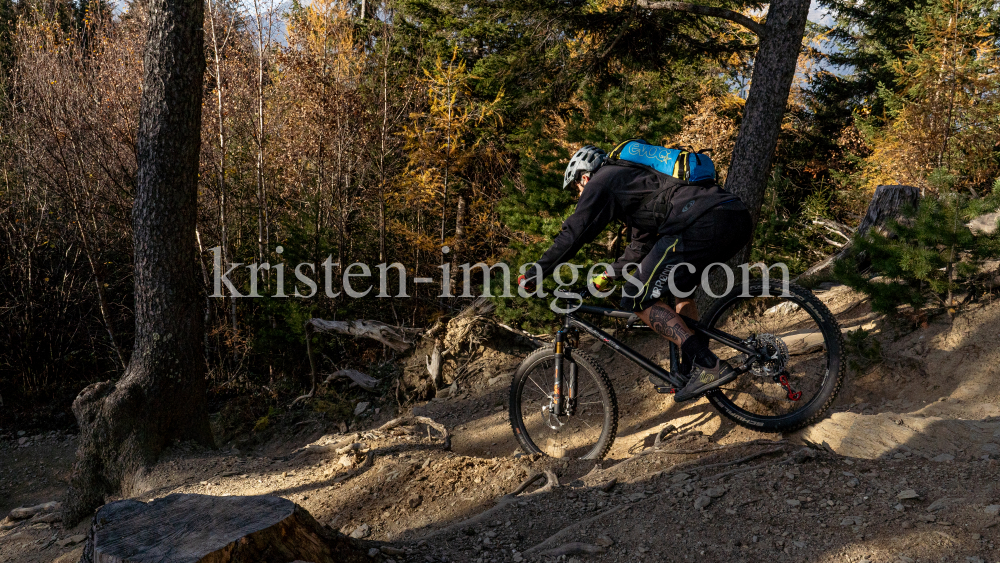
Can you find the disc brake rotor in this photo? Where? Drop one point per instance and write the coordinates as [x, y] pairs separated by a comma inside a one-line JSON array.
[[773, 356], [551, 420]]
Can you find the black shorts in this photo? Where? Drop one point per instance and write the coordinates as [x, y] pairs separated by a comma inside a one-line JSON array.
[[715, 237]]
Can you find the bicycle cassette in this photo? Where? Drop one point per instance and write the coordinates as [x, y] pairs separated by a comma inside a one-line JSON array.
[[773, 356]]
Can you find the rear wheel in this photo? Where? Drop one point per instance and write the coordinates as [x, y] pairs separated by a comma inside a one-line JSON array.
[[586, 434], [798, 371]]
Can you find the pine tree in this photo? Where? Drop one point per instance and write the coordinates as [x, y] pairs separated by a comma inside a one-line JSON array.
[[943, 113]]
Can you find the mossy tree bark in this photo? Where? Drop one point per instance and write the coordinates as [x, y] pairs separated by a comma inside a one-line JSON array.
[[161, 396]]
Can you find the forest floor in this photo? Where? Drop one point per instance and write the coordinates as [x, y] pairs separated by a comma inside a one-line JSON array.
[[905, 471]]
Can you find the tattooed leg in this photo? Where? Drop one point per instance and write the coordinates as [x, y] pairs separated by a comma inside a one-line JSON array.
[[666, 323]]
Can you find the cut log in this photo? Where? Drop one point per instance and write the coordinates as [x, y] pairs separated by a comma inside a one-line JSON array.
[[887, 203], [205, 529]]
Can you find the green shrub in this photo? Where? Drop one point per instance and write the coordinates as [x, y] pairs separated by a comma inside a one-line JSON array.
[[927, 256]]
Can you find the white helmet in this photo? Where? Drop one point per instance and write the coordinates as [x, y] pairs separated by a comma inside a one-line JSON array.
[[585, 161]]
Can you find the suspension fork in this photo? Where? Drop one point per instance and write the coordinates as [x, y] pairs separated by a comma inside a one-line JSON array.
[[560, 389], [556, 406]]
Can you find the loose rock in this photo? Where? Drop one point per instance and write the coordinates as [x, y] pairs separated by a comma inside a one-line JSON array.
[[716, 492], [361, 531]]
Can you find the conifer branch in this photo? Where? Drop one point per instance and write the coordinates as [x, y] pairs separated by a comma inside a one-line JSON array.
[[710, 11]]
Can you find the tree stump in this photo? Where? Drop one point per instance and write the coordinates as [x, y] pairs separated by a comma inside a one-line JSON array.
[[887, 203], [183, 528]]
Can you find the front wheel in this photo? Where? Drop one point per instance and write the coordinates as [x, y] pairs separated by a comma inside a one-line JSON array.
[[586, 434], [797, 371]]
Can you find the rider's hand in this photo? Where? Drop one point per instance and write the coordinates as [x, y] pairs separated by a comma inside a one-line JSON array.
[[528, 284], [601, 282]]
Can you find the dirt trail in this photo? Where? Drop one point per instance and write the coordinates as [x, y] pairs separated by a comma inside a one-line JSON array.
[[712, 492]]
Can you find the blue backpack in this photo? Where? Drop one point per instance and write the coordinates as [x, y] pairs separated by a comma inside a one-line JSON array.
[[690, 167]]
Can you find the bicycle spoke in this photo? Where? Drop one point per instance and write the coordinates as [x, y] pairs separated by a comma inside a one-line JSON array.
[[795, 347], [544, 394], [563, 436]]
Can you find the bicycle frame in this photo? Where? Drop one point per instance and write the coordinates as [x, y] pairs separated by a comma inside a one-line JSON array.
[[572, 321]]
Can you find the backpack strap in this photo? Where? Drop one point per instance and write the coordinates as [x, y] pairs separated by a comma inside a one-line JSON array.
[[618, 150]]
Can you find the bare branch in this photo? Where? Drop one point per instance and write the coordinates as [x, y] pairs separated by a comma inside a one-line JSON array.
[[710, 11]]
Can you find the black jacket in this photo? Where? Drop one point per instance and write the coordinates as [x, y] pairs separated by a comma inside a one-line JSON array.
[[619, 193]]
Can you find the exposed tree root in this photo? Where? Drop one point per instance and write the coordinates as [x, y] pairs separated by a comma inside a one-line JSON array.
[[367, 463], [662, 433], [551, 482], [574, 548], [737, 462], [551, 540], [316, 449], [695, 451], [404, 420], [693, 464]]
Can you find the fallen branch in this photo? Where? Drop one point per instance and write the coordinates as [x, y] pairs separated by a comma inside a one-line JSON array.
[[362, 380], [398, 338], [530, 338], [29, 511], [551, 482]]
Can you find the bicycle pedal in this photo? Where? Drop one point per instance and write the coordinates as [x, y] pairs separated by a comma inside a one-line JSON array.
[[665, 389]]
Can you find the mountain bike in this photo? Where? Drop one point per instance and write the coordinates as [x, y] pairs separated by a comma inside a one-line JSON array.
[[786, 346]]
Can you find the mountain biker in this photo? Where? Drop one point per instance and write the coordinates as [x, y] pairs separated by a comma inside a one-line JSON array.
[[699, 225]]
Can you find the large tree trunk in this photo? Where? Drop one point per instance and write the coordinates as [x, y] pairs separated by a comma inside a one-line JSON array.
[[770, 83], [184, 528], [124, 426]]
